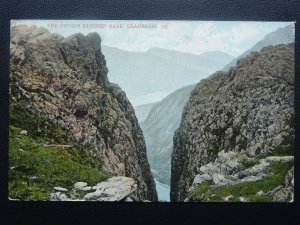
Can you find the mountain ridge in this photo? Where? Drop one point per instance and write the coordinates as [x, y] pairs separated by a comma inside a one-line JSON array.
[[283, 35], [131, 69]]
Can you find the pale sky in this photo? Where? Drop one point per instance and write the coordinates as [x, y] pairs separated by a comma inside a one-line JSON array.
[[187, 36]]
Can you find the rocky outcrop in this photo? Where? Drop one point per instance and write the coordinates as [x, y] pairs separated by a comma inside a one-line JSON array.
[[65, 80], [285, 193], [115, 189], [232, 168], [249, 109]]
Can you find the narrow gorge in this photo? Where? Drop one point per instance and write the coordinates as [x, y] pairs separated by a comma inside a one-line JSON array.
[[90, 121]]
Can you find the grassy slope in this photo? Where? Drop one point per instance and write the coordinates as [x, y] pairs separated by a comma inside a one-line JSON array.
[[248, 190], [35, 170]]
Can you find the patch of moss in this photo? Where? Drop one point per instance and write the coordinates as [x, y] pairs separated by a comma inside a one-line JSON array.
[[247, 162], [35, 170]]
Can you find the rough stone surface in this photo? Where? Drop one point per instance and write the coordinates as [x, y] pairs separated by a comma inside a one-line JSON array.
[[286, 193], [260, 193], [115, 189], [128, 199], [23, 132], [228, 198], [60, 189], [80, 185], [65, 80], [248, 109]]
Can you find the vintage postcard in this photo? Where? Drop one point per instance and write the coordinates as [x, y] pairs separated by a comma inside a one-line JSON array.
[[151, 111]]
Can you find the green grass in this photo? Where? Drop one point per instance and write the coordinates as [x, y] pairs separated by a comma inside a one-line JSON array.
[[50, 167], [248, 190], [43, 130], [199, 192]]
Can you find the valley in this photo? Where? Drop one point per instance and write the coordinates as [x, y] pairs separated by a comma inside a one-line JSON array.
[[156, 125]]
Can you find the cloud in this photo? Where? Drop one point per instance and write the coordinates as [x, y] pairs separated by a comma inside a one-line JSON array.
[[187, 36], [234, 40], [193, 37]]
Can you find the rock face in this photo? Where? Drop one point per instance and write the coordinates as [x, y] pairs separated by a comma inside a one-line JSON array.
[[285, 193], [65, 80], [249, 109], [159, 128]]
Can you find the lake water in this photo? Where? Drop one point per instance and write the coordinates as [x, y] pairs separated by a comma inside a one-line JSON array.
[[163, 191]]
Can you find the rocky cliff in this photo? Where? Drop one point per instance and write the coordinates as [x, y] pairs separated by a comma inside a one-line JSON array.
[[65, 80], [249, 111]]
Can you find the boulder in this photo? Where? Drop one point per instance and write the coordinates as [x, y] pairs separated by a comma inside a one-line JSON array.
[[114, 189], [242, 199], [259, 193], [80, 185], [199, 179], [60, 189], [128, 199], [23, 132], [87, 188], [228, 198]]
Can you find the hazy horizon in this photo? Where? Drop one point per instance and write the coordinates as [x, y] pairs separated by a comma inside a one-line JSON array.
[[195, 37]]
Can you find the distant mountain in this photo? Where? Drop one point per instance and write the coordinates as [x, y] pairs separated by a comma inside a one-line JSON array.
[[283, 35], [207, 62], [142, 111], [161, 69], [159, 130]]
